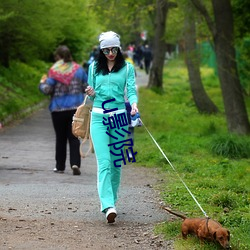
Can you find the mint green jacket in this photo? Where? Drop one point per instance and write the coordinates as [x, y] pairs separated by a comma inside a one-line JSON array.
[[113, 85]]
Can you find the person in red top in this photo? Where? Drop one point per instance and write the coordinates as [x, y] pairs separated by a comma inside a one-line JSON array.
[[65, 84]]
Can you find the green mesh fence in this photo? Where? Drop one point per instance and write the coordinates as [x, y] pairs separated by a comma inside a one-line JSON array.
[[207, 55], [208, 58]]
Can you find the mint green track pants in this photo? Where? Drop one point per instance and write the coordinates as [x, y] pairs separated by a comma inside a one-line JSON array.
[[108, 176]]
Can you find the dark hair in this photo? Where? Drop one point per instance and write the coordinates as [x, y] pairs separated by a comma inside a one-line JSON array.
[[64, 53], [102, 67]]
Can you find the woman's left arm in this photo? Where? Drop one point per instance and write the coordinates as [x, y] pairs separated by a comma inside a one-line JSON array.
[[46, 85], [131, 89]]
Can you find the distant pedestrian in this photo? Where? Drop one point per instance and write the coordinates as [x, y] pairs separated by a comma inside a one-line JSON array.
[[138, 55], [93, 55], [147, 54], [65, 84]]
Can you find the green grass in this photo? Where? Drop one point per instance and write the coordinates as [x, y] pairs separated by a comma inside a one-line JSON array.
[[214, 164], [19, 88]]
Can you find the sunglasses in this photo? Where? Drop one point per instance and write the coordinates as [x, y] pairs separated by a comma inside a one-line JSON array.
[[106, 51]]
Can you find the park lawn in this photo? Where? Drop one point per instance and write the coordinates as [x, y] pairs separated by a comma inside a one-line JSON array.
[[214, 164]]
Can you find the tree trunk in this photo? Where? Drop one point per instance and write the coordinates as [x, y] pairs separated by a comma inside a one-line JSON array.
[[223, 38], [201, 99], [159, 47], [235, 109]]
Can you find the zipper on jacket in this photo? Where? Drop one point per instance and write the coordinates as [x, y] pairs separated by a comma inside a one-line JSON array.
[[109, 86]]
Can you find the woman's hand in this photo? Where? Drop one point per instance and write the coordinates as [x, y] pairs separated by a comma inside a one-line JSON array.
[[90, 91], [43, 79], [134, 109]]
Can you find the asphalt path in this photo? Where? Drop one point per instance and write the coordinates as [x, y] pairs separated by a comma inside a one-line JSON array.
[[26, 164]]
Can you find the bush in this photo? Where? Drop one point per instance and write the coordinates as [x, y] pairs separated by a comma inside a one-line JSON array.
[[223, 200], [19, 88], [231, 146]]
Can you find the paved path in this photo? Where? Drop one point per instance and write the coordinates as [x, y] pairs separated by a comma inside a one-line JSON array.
[[26, 163], [30, 190], [141, 78]]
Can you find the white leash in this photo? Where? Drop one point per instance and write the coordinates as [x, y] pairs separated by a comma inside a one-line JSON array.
[[174, 170]]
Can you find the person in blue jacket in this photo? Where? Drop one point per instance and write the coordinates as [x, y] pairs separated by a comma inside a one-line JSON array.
[[108, 77], [65, 83]]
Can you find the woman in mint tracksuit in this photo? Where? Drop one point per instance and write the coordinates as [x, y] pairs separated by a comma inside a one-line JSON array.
[[108, 77]]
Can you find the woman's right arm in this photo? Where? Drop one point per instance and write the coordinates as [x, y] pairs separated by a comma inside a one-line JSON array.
[[90, 89]]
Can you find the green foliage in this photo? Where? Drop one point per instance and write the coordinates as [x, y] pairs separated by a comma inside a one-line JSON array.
[[175, 28], [243, 59], [231, 146], [170, 230], [219, 183], [175, 25], [128, 18], [241, 17], [224, 200], [19, 87], [29, 33]]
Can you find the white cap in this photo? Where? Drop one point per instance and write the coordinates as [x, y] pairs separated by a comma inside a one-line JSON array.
[[109, 39]]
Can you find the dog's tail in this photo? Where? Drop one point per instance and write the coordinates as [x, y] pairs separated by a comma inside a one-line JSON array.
[[175, 213]]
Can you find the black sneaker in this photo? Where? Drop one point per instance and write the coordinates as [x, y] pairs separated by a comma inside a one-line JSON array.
[[76, 170], [58, 171]]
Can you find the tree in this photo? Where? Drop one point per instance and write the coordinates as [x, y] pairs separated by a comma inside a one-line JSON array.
[[201, 99], [159, 46], [242, 33], [223, 38], [241, 17], [126, 17], [28, 33]]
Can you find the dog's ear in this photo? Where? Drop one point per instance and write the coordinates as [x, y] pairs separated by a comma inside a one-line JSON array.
[[214, 235], [228, 237]]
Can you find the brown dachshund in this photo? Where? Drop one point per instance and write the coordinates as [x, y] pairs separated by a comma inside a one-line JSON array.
[[204, 229]]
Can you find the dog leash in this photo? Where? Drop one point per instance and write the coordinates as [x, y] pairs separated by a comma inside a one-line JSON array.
[[174, 170]]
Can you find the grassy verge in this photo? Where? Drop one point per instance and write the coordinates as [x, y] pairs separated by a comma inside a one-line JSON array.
[[19, 88], [214, 164]]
